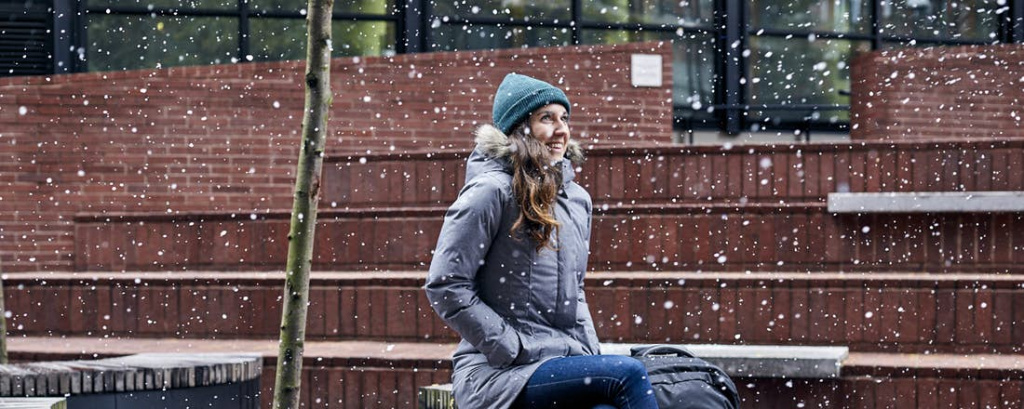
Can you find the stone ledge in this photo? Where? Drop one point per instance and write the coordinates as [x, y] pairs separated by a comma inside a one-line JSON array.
[[926, 202], [33, 403], [764, 361]]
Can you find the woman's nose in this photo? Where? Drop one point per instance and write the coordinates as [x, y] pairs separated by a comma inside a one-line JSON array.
[[561, 126]]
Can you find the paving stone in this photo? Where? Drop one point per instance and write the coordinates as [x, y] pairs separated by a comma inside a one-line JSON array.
[[147, 371]]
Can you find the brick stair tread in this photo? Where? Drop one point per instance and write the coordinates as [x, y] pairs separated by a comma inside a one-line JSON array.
[[858, 363], [83, 346], [594, 275]]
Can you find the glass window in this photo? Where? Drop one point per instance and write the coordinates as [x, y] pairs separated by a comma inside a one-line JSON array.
[[543, 10], [285, 39], [800, 71], [693, 72], [453, 37], [848, 16], [168, 4], [131, 42], [669, 12], [693, 62], [378, 7], [277, 39], [961, 19]]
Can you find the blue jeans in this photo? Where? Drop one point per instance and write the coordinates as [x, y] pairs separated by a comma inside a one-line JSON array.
[[588, 382]]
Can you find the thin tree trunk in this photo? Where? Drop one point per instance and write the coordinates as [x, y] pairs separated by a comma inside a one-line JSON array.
[[307, 194]]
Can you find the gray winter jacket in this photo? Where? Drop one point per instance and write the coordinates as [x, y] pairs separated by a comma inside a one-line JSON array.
[[514, 307]]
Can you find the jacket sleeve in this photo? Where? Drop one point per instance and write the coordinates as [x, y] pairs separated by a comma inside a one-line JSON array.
[[583, 312], [470, 225]]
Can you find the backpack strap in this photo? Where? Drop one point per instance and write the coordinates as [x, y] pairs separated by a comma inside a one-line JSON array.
[[660, 349]]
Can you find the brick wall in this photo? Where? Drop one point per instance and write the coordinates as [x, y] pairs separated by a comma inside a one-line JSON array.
[[221, 138], [967, 92]]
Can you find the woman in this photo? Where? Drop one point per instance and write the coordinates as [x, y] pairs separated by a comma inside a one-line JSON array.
[[508, 270]]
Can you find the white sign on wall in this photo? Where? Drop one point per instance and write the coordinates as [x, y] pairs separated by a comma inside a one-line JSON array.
[[646, 70]]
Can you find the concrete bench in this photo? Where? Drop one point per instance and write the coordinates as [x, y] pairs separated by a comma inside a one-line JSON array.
[[739, 361], [142, 380], [926, 202]]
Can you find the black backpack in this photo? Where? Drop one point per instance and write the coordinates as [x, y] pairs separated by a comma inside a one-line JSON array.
[[683, 381]]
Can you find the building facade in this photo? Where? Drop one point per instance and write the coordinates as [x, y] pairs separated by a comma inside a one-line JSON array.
[[762, 67]]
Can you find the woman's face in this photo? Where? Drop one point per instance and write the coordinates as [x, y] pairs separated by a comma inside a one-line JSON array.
[[550, 125]]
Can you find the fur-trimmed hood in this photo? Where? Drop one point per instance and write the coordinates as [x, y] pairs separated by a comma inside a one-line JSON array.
[[494, 150]]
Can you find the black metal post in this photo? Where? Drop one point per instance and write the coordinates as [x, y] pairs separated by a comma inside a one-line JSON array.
[[730, 22], [427, 28], [577, 21], [81, 55], [65, 20], [409, 28], [1013, 26], [876, 25], [243, 30]]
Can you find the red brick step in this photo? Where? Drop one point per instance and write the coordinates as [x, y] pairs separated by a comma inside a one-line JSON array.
[[893, 312], [801, 236]]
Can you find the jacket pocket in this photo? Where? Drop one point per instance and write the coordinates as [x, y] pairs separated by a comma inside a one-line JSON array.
[[534, 349]]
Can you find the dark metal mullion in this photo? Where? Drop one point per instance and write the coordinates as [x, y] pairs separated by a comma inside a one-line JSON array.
[[577, 21], [571, 25], [731, 64], [1015, 27], [81, 31], [243, 30], [63, 36], [786, 107], [648, 27], [863, 37], [939, 41], [876, 25], [428, 25], [831, 35], [497, 21], [137, 11], [744, 61], [806, 127], [338, 15], [410, 28]]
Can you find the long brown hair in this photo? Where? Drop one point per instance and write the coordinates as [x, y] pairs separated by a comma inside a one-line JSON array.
[[535, 184]]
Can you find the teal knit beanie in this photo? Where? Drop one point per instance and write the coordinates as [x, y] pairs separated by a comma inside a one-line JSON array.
[[518, 95]]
